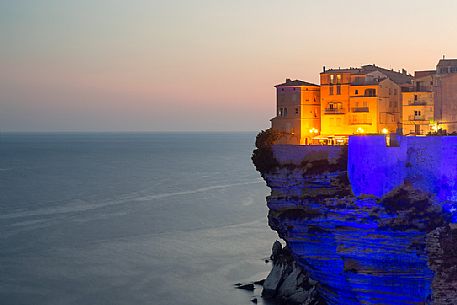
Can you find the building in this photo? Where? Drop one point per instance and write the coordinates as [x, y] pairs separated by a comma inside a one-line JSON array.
[[445, 90], [367, 100], [298, 112], [364, 100], [418, 105]]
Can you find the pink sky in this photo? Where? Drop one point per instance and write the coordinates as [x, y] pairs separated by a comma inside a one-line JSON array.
[[195, 65]]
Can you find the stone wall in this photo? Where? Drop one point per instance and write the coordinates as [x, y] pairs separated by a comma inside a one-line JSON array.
[[427, 163], [297, 154]]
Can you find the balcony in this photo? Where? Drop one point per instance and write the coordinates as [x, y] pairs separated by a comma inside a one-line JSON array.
[[333, 111], [367, 121], [416, 118], [360, 109], [417, 103]]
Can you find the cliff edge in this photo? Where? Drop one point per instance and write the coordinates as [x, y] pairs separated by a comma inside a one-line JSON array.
[[393, 245]]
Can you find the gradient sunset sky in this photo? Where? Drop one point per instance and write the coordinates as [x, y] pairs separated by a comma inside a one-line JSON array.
[[195, 65]]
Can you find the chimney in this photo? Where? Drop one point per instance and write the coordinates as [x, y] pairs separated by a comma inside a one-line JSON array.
[[288, 80], [404, 72], [323, 68]]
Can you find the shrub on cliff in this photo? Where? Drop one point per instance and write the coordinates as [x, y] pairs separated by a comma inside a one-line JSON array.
[[262, 156]]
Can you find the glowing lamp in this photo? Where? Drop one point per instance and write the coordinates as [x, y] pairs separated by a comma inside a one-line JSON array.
[[360, 130], [385, 131]]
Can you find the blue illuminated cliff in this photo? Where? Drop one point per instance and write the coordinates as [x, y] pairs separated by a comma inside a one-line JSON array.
[[371, 223]]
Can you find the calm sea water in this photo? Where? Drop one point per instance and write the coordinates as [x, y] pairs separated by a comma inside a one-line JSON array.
[[130, 219]]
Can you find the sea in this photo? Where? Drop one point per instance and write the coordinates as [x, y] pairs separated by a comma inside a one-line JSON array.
[[131, 218]]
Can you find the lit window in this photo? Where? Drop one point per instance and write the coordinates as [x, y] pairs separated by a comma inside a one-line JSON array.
[[338, 79], [332, 79]]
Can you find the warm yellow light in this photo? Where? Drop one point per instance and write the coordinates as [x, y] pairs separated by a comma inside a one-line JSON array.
[[385, 131], [360, 130], [313, 130]]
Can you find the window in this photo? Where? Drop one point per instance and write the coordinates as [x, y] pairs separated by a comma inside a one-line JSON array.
[[285, 111], [282, 89], [395, 91], [296, 110], [356, 92], [331, 90], [338, 79], [415, 97], [331, 106], [338, 90], [390, 91], [280, 112], [417, 113], [370, 92], [332, 79]]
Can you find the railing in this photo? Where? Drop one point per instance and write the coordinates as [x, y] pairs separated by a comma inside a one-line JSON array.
[[360, 122], [416, 118], [417, 103], [333, 111], [360, 109]]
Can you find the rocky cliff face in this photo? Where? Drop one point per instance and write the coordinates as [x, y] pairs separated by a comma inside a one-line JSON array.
[[399, 249]]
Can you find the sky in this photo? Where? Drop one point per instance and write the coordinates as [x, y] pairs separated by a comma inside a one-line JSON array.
[[195, 65]]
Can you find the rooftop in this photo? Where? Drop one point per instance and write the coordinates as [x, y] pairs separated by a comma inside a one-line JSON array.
[[399, 78], [295, 83], [447, 62], [419, 74]]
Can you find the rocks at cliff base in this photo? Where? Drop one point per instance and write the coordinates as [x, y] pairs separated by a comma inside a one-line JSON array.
[[249, 286], [442, 250], [287, 282]]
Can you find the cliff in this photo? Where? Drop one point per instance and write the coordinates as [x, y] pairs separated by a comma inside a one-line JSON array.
[[383, 235]]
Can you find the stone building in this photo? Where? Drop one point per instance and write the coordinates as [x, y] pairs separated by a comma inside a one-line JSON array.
[[298, 112], [360, 100], [445, 88], [418, 117]]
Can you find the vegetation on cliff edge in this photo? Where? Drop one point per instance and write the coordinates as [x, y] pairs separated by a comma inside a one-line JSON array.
[[262, 156]]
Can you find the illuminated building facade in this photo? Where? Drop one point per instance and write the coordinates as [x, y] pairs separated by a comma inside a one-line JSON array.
[[418, 117], [298, 112], [367, 100], [364, 100]]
